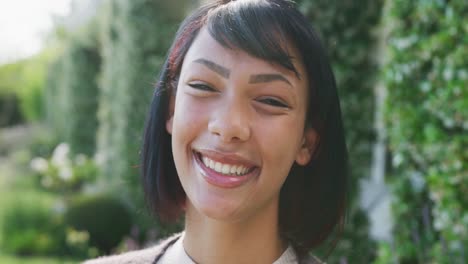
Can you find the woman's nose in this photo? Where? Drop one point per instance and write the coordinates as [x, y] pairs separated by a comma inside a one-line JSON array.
[[230, 122]]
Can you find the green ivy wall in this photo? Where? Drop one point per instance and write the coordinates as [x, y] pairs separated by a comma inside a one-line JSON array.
[[427, 122], [346, 28], [135, 36]]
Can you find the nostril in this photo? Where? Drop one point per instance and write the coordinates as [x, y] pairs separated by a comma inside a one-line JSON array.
[[229, 132]]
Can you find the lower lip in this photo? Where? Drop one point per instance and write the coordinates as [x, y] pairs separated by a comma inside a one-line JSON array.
[[224, 181]]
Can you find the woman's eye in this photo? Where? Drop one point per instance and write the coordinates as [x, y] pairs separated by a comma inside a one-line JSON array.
[[273, 102], [201, 86]]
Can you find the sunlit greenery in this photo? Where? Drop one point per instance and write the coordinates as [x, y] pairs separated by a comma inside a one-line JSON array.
[[346, 28], [8, 259], [25, 80], [427, 113], [92, 85]]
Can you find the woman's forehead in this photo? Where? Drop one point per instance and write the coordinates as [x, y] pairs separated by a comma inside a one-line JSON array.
[[206, 50], [208, 60]]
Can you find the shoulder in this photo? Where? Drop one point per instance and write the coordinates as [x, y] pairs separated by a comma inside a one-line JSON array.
[[143, 256]]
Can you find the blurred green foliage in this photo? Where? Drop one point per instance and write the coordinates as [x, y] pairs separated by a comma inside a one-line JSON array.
[[64, 172], [427, 113], [347, 30], [32, 226], [135, 37], [10, 112], [31, 214], [80, 245], [71, 91], [99, 81], [53, 98], [80, 96], [21, 85], [8, 259], [104, 218]]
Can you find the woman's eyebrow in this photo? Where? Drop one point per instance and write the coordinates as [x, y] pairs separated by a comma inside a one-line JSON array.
[[255, 78], [268, 77], [223, 71]]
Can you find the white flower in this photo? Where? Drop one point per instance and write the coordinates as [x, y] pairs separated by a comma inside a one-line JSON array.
[[441, 220], [459, 229], [60, 155], [39, 164], [99, 158], [455, 245], [397, 159], [438, 225], [435, 196], [65, 173], [417, 181]]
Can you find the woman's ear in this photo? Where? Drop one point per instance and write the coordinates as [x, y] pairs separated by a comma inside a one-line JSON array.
[[307, 149], [170, 114]]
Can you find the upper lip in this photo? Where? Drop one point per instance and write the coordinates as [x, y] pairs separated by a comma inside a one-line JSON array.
[[226, 157]]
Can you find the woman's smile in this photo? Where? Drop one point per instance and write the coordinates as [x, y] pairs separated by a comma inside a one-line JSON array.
[[225, 170]]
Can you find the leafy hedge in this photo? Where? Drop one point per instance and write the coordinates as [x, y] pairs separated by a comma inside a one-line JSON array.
[[104, 218], [428, 129], [81, 67], [54, 102], [135, 36], [10, 113], [347, 31], [30, 225], [71, 92], [21, 89]]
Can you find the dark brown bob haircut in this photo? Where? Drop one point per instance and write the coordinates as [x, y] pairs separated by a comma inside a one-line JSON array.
[[313, 197]]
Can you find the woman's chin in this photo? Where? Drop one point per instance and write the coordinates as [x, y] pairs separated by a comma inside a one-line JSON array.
[[217, 208]]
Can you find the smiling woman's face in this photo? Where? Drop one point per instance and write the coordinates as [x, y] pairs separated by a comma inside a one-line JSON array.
[[237, 128]]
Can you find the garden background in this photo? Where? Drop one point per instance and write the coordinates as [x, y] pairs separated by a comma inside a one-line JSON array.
[[71, 119]]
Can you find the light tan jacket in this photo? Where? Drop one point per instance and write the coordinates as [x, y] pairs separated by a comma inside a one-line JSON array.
[[153, 254]]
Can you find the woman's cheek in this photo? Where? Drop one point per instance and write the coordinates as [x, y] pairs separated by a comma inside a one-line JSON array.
[[190, 109], [281, 135]]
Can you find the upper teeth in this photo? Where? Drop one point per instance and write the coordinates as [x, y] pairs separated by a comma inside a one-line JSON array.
[[225, 168]]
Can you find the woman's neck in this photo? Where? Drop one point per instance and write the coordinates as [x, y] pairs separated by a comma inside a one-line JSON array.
[[255, 240]]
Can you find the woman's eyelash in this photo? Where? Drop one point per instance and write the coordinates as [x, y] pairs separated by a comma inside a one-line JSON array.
[[201, 86], [269, 101], [273, 102]]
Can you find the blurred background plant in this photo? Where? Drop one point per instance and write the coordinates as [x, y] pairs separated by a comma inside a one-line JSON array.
[[71, 119], [63, 173], [31, 225], [427, 120]]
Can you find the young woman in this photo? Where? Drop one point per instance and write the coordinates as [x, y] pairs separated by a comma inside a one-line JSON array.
[[244, 138]]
